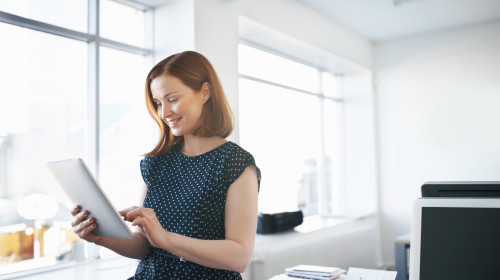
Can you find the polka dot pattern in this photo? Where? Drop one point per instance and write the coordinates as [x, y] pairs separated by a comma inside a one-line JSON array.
[[188, 194]]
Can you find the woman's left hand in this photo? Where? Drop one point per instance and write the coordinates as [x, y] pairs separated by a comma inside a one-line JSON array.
[[146, 220]]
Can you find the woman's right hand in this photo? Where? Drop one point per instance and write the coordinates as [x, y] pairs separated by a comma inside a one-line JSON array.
[[82, 226]]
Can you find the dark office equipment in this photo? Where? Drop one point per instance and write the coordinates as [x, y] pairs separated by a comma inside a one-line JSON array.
[[461, 189], [278, 222], [455, 238]]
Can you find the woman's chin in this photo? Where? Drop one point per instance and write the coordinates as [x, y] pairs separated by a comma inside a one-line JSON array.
[[177, 131]]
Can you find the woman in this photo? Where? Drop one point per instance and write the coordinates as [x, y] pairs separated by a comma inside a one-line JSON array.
[[199, 216]]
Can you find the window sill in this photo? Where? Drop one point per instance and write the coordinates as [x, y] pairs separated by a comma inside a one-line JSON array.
[[49, 268], [338, 242], [312, 225]]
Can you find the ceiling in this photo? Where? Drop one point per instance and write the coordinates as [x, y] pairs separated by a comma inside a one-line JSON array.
[[380, 20]]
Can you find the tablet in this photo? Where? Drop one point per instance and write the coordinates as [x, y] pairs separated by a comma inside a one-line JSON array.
[[82, 189]]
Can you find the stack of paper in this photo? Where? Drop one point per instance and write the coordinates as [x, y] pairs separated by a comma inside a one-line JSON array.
[[314, 272]]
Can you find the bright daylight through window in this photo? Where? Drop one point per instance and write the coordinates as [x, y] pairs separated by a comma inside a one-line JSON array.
[[290, 117], [57, 74]]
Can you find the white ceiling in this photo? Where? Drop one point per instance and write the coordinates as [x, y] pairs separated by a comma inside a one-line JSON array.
[[380, 20]]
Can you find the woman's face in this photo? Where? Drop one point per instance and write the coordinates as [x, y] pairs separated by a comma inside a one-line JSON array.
[[179, 106]]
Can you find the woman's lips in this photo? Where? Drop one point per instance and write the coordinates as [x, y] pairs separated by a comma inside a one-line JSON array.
[[174, 122]]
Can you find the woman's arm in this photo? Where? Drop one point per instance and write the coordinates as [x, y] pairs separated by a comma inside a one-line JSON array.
[[136, 247], [235, 251]]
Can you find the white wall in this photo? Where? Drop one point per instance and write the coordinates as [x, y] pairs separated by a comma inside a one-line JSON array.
[[174, 29], [360, 175], [438, 99], [216, 37]]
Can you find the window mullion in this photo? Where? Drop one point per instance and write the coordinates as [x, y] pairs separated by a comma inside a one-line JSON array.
[[149, 30], [342, 185], [93, 88], [43, 27], [123, 47], [93, 101]]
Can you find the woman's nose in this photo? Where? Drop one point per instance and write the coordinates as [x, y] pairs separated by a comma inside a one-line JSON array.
[[164, 111]]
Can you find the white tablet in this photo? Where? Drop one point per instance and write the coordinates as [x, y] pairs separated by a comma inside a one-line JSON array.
[[455, 238], [82, 189]]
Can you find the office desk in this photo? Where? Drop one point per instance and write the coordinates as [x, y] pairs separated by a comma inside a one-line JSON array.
[[401, 247]]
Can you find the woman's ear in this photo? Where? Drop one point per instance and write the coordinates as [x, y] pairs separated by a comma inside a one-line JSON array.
[[205, 90]]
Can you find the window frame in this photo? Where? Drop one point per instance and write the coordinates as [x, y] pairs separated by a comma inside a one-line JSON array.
[[94, 42], [324, 208]]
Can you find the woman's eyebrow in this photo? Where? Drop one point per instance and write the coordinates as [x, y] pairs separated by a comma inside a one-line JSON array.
[[168, 93], [164, 95]]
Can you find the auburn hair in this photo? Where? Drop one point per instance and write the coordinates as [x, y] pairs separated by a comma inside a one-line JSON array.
[[193, 69]]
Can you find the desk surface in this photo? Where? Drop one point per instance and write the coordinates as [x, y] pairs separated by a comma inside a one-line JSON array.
[[405, 238]]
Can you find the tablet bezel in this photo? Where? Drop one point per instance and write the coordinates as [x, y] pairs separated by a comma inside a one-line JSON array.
[[416, 226], [82, 189]]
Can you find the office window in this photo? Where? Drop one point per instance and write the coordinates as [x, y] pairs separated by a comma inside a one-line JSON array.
[[51, 11], [125, 127], [42, 107], [269, 67], [64, 95], [290, 119], [122, 23]]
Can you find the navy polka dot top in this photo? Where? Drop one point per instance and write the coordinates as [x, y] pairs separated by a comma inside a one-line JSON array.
[[188, 195]]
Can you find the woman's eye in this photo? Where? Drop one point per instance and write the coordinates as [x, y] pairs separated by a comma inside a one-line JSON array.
[[158, 104], [172, 100]]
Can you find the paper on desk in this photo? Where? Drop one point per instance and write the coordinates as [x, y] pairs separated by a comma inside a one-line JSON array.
[[369, 274]]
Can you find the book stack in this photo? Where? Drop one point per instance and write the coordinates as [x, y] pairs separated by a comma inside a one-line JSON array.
[[314, 272]]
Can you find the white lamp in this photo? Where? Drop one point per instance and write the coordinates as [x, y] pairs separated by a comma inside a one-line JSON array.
[[37, 207]]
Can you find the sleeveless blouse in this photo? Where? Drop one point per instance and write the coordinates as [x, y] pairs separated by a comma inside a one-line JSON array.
[[188, 195]]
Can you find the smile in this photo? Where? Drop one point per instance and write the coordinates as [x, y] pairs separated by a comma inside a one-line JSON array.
[[172, 123]]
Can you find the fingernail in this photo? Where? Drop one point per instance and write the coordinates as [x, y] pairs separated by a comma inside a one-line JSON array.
[[92, 220], [85, 213]]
